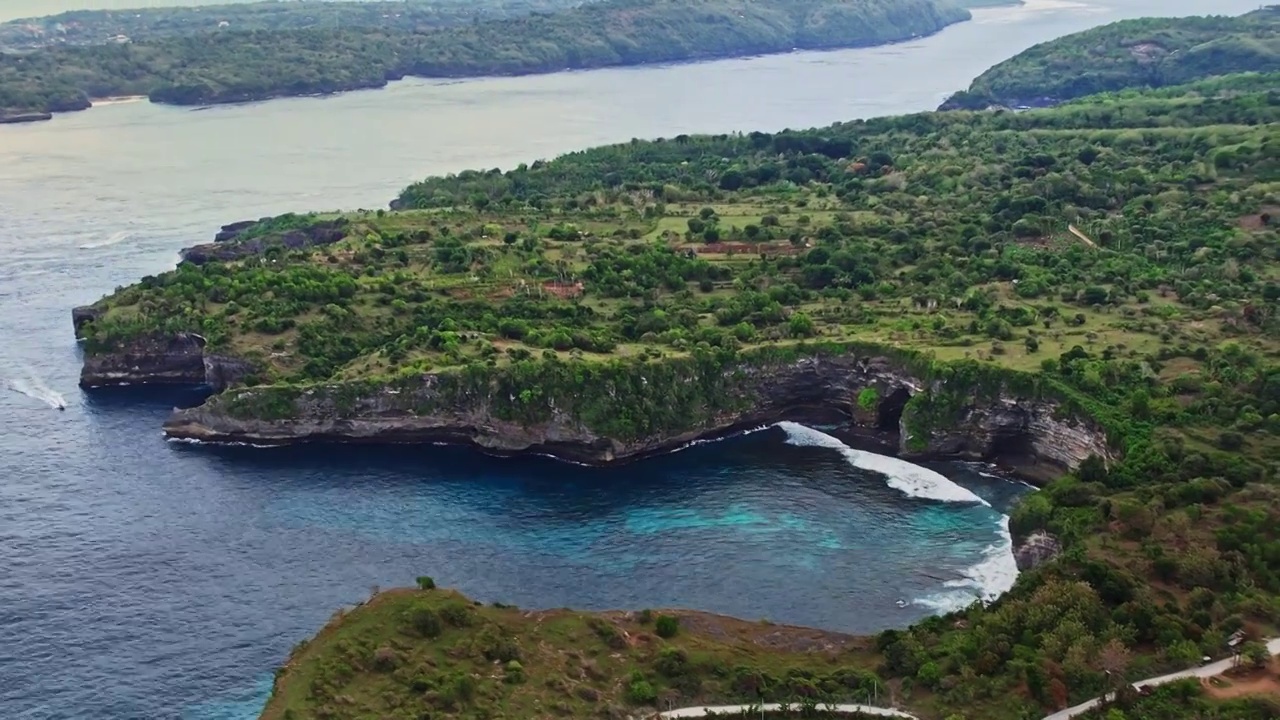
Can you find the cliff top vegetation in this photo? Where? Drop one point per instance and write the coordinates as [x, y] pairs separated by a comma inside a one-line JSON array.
[[1120, 250], [1144, 53], [416, 652]]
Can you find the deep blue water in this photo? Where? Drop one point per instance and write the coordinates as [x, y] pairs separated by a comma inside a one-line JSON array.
[[144, 578], [141, 579]]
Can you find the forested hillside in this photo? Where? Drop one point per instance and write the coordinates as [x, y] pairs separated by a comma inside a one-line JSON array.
[[1146, 53], [1117, 255], [234, 65], [96, 27]]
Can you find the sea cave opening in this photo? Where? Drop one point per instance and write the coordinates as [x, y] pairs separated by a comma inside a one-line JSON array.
[[1011, 446], [889, 411]]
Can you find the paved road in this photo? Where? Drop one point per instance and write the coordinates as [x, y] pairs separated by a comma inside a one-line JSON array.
[[1202, 671]]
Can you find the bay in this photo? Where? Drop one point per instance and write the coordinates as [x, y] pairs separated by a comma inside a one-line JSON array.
[[144, 579]]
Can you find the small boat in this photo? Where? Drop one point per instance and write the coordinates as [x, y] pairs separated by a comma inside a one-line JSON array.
[[902, 603], [61, 407]]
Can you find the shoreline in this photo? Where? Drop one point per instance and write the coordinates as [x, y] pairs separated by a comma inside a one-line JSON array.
[[393, 76], [862, 439]]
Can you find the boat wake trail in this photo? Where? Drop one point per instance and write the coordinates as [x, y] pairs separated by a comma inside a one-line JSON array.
[[34, 388], [115, 239], [900, 475]]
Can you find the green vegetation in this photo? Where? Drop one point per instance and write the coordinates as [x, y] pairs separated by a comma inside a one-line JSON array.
[[96, 27], [490, 661], [1186, 701], [1117, 255], [1146, 53], [232, 65]]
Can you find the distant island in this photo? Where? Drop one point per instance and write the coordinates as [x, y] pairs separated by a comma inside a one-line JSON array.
[[234, 65], [1144, 53]]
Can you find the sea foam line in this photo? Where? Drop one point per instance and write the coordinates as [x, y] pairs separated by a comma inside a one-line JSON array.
[[900, 475]]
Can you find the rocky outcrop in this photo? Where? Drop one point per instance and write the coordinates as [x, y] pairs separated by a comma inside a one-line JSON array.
[[817, 389], [1035, 550], [180, 360], [234, 242], [224, 371], [24, 117], [174, 361], [82, 316], [233, 230], [1026, 434]]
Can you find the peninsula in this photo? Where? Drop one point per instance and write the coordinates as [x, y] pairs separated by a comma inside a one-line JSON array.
[[234, 65], [1090, 289], [1144, 53]]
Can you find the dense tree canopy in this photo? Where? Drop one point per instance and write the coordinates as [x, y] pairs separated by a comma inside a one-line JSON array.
[[231, 65], [1150, 52], [96, 27]]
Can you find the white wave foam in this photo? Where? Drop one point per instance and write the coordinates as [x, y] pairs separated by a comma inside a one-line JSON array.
[[984, 581], [214, 443], [900, 475], [35, 389], [115, 238]]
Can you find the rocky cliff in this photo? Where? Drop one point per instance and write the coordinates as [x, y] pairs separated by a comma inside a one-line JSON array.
[[180, 360], [431, 408], [237, 240], [1028, 434]]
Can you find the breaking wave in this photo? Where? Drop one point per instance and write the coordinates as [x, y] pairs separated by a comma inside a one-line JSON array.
[[984, 581], [901, 475]]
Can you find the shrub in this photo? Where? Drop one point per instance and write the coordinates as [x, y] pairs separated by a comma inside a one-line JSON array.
[[458, 614], [515, 672], [640, 691], [608, 633], [426, 622], [425, 582], [672, 662], [646, 616], [497, 646], [385, 659], [1230, 441], [667, 626]]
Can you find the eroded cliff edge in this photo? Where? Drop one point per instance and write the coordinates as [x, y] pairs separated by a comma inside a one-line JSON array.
[[607, 413]]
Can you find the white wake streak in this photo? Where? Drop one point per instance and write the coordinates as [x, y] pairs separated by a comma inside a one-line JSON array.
[[37, 390], [113, 240], [900, 475]]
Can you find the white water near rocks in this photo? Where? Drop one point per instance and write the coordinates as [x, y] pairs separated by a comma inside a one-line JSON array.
[[900, 475], [986, 580]]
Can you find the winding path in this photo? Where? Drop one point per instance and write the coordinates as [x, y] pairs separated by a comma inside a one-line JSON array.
[[1202, 671]]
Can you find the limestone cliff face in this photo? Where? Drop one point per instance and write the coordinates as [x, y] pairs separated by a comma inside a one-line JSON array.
[[176, 361], [82, 316], [180, 360], [818, 389], [1028, 433]]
